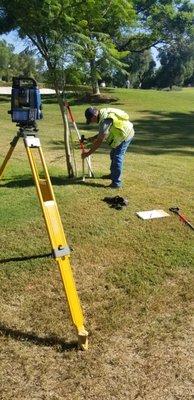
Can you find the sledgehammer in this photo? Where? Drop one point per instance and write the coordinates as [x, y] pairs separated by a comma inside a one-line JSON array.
[[182, 217]]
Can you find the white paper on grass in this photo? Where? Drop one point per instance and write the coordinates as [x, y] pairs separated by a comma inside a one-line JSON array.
[[152, 214]]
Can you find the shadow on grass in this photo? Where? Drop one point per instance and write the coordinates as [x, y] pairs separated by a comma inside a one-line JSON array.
[[163, 132], [24, 258], [51, 341], [56, 181], [155, 133]]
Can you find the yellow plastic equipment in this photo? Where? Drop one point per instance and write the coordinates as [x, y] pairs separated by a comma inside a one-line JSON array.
[[60, 249]]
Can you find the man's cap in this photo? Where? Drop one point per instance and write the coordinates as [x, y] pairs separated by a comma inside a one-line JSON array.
[[89, 113]]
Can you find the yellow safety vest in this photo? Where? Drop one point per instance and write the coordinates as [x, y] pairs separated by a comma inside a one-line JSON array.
[[121, 129]]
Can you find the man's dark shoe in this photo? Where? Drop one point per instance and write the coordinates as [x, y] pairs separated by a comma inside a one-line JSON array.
[[108, 176], [114, 186]]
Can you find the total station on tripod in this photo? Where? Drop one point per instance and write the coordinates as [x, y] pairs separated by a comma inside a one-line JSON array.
[[26, 105]]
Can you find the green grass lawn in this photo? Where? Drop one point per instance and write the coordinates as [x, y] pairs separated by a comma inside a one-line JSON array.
[[135, 278]]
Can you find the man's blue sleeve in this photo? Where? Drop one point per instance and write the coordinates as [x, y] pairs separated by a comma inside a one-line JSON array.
[[105, 126]]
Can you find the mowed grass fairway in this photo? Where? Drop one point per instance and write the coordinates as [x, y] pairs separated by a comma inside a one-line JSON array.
[[134, 278]]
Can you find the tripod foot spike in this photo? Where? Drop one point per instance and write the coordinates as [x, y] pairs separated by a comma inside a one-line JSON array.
[[83, 339]]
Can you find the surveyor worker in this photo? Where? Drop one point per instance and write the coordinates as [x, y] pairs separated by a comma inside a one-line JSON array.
[[116, 129]]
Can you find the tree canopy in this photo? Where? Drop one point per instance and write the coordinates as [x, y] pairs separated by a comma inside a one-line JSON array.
[[159, 21], [95, 33]]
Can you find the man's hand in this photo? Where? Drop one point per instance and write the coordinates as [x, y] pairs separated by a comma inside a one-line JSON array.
[[95, 145], [85, 154], [83, 139]]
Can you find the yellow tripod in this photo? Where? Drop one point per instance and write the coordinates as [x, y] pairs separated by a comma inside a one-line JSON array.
[[60, 249]]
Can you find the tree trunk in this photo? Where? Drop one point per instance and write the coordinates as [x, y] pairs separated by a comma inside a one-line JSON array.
[[70, 169], [95, 86], [40, 44]]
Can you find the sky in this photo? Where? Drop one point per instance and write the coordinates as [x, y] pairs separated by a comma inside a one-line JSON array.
[[12, 38]]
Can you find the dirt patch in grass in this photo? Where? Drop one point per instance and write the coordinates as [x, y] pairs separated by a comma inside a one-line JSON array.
[[97, 98]]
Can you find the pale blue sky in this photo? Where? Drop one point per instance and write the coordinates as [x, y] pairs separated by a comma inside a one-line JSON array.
[[12, 38]]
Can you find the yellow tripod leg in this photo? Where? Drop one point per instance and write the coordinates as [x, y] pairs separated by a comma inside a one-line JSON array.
[[9, 153], [57, 237], [73, 302]]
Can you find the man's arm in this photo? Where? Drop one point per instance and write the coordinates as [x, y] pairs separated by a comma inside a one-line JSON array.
[[97, 143], [103, 131], [92, 138]]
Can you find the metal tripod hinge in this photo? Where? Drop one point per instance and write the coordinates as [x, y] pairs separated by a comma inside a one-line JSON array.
[[60, 249]]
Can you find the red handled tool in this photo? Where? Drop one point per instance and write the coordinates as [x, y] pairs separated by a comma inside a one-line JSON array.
[[182, 217], [81, 142]]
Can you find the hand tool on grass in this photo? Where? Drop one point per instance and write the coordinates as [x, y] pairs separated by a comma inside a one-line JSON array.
[[182, 217], [81, 142]]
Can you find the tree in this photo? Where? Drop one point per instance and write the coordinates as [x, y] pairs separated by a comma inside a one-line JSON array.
[[100, 22], [159, 22], [6, 52], [48, 24], [177, 63], [24, 63], [54, 27], [140, 67]]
